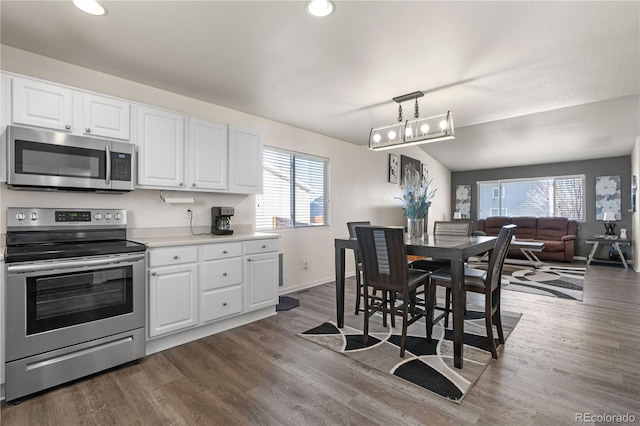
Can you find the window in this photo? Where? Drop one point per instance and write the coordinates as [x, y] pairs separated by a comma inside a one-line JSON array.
[[549, 196], [295, 190]]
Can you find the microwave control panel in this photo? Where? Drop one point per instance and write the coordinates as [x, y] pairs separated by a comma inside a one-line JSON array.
[[121, 166]]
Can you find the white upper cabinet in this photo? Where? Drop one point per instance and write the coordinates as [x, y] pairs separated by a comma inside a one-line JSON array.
[[207, 154], [40, 104], [55, 107], [160, 141], [245, 162], [106, 117]]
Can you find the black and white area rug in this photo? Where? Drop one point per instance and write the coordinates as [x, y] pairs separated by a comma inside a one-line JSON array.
[[426, 364], [554, 280]]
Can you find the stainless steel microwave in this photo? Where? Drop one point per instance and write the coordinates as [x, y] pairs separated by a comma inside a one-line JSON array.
[[47, 160]]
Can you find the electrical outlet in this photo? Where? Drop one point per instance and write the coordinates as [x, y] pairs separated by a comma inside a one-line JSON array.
[[187, 214]]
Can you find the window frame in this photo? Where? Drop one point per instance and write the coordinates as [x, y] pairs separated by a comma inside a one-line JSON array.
[[292, 186]]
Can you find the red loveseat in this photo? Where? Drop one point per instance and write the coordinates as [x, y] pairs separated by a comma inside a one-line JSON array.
[[557, 233]]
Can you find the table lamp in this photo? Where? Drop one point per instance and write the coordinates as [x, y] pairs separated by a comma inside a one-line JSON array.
[[609, 219], [457, 215]]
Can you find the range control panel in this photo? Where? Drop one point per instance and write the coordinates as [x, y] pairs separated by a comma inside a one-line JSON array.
[[59, 218]]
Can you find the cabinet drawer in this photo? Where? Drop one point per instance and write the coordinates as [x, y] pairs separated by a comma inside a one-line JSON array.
[[221, 273], [261, 246], [172, 255], [222, 250], [221, 303]]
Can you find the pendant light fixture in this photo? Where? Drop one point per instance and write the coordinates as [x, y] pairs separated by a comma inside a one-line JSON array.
[[412, 132]]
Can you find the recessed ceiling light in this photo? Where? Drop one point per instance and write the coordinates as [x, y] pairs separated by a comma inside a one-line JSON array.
[[91, 7], [320, 8]]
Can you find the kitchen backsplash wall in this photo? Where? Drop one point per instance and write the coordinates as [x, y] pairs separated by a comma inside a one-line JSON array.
[[145, 208]]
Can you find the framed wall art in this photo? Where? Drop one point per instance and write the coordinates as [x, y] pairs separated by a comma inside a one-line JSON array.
[[463, 201], [608, 196], [408, 163], [394, 168], [425, 173]]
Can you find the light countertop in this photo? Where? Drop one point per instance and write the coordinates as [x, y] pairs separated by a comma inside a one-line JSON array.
[[182, 240]]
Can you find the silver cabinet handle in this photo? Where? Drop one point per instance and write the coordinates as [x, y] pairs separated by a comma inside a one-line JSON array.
[[249, 260], [175, 256], [67, 126], [264, 246], [224, 274], [154, 274], [88, 130], [224, 252], [224, 303], [181, 184], [193, 184]]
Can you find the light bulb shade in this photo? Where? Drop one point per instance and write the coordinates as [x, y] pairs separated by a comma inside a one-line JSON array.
[[609, 217], [457, 215], [91, 7], [319, 8], [413, 132]]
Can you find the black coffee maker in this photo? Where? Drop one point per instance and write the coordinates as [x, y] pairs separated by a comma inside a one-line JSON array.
[[220, 222]]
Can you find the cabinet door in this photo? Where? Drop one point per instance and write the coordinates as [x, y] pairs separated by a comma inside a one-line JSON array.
[[160, 148], [208, 155], [245, 162], [40, 104], [173, 299], [105, 117], [260, 281]]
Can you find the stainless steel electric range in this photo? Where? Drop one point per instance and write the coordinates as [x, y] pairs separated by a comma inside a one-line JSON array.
[[75, 296]]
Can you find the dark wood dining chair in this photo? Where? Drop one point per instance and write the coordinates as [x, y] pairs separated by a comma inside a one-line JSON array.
[[487, 282], [384, 260], [352, 234]]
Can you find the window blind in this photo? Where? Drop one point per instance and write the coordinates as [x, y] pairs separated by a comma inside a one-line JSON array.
[[295, 192]]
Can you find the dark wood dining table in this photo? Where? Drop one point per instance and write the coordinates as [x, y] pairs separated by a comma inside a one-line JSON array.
[[456, 249]]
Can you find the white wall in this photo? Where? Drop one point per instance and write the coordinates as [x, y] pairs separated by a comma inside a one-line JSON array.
[[358, 185]]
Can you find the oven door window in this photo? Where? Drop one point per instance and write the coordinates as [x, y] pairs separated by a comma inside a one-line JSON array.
[[62, 300], [33, 158]]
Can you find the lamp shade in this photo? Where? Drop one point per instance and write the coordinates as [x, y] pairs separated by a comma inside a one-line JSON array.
[[457, 215], [609, 216]]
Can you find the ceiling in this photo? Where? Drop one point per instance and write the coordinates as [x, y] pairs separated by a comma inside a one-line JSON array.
[[527, 82]]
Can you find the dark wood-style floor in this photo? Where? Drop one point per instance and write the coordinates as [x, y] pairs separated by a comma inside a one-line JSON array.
[[563, 358]]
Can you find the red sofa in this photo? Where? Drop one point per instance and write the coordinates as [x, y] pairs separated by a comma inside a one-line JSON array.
[[557, 233]]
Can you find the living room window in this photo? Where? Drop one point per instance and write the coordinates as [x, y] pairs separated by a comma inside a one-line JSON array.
[[295, 190], [561, 196]]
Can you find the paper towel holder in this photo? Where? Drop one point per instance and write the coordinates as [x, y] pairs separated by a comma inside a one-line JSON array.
[[170, 200]]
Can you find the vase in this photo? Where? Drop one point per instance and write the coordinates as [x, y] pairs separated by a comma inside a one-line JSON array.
[[415, 228]]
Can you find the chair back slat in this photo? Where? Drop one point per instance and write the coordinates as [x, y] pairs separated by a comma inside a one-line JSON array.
[[462, 229], [384, 256], [498, 256]]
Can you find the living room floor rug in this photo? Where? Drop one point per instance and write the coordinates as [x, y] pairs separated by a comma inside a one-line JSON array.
[[554, 280], [426, 364]]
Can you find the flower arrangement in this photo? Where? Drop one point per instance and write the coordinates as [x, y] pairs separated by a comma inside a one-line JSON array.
[[416, 194]]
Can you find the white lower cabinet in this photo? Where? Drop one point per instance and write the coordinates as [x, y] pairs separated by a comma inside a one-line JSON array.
[[261, 274], [221, 281], [173, 290], [193, 289]]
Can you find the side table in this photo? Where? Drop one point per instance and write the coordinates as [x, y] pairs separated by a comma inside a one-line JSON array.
[[617, 243]]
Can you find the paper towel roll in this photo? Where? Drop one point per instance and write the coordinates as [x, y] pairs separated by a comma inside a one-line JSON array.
[[179, 200]]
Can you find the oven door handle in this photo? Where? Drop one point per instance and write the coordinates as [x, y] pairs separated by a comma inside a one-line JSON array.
[[70, 264]]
